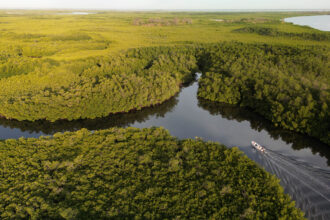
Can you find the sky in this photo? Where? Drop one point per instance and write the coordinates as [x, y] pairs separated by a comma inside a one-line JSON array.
[[168, 4]]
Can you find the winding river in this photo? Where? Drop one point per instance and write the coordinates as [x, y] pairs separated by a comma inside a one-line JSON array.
[[302, 163]]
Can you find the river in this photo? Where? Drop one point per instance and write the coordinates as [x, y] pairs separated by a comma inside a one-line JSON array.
[[320, 22], [302, 163]]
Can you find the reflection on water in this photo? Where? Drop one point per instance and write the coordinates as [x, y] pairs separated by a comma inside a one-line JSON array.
[[257, 122], [16, 129], [186, 116]]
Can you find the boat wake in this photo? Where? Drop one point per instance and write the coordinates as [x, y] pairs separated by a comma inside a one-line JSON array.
[[308, 185]]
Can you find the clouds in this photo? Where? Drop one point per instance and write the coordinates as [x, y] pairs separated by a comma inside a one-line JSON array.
[[168, 4]]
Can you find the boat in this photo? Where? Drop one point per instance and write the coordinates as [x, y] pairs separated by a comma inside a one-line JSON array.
[[257, 146]]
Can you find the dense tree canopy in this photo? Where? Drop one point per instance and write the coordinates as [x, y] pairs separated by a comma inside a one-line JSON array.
[[132, 173], [288, 85], [96, 87]]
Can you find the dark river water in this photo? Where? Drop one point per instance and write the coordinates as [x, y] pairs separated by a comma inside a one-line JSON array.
[[300, 162]]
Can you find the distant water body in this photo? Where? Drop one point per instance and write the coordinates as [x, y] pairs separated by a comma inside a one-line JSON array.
[[320, 22], [81, 13], [76, 13]]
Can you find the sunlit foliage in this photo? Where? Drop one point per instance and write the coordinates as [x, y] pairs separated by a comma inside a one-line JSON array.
[[96, 87]]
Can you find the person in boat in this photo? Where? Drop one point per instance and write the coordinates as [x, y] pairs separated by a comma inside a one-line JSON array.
[[257, 146]]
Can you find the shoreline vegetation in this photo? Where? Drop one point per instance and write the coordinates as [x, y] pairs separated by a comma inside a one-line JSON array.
[[109, 115], [113, 173], [267, 31], [288, 85]]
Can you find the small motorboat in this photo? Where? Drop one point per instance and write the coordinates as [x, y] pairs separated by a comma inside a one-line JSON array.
[[257, 146]]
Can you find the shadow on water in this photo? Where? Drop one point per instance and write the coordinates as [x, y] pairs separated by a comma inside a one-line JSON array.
[[16, 129], [42, 127]]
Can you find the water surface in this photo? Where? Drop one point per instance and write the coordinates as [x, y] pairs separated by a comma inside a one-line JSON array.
[[76, 13], [320, 22]]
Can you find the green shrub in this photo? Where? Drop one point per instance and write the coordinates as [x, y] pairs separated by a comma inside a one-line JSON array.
[[266, 31]]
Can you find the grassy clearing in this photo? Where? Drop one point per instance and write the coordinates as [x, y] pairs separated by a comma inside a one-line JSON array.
[[53, 29]]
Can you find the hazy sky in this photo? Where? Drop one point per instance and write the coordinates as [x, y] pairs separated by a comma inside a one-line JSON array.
[[168, 4]]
